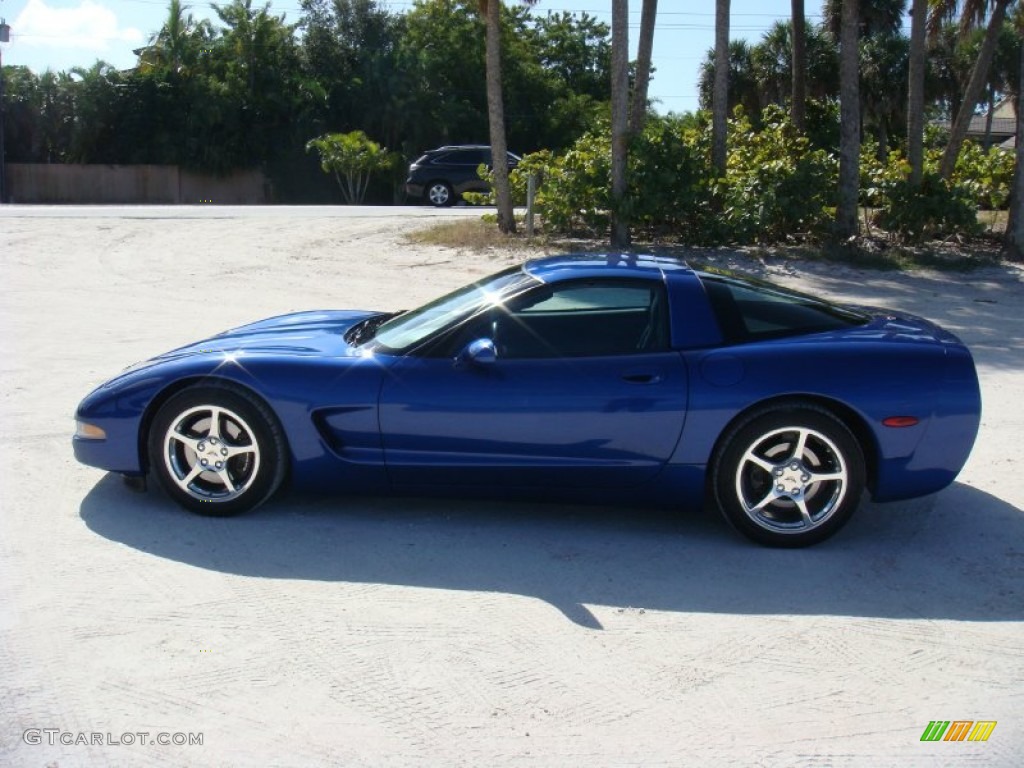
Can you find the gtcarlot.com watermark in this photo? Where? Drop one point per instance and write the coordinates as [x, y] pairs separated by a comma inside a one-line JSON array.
[[54, 736]]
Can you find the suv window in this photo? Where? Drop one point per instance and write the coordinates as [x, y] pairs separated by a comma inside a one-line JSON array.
[[472, 157]]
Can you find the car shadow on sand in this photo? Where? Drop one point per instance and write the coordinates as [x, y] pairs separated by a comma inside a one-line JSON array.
[[955, 555]]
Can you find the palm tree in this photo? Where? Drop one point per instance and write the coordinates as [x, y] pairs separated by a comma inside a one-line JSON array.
[[973, 15], [1013, 247], [620, 237], [175, 48], [744, 88], [875, 17], [720, 100], [883, 64], [915, 90], [627, 120], [762, 74], [252, 39], [638, 109], [491, 11], [849, 121], [798, 108]]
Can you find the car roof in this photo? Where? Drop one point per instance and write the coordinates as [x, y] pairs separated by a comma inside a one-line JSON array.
[[450, 147], [553, 268]]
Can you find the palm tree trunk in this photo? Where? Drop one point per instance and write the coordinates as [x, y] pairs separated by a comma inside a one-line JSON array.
[[915, 90], [720, 97], [620, 122], [1013, 247], [496, 116], [989, 114], [972, 94], [638, 110], [798, 109], [849, 121]]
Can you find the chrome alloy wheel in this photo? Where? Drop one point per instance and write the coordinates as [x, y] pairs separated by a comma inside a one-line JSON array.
[[439, 194], [791, 480], [211, 453]]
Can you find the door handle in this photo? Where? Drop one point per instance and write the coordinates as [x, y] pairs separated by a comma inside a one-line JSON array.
[[642, 378]]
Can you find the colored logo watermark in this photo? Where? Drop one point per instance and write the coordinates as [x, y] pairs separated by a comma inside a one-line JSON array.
[[958, 730]]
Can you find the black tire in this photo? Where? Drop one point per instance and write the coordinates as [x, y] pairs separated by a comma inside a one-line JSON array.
[[767, 489], [439, 194], [246, 452]]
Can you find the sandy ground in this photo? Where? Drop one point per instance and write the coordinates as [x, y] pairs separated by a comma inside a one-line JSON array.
[[453, 633]]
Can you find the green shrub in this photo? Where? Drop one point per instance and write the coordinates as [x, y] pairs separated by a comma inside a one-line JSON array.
[[668, 189], [574, 191], [935, 209], [985, 175], [776, 187]]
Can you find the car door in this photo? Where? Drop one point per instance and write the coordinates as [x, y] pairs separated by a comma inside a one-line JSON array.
[[584, 388], [463, 165]]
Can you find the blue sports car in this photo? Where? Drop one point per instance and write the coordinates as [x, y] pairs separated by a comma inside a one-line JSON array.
[[630, 378]]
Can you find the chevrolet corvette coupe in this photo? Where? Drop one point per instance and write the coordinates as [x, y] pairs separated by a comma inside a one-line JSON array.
[[621, 377]]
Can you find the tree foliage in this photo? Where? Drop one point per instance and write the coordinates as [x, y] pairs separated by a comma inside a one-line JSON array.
[[252, 88]]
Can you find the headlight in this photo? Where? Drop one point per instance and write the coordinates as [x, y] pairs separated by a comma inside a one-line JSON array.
[[87, 431]]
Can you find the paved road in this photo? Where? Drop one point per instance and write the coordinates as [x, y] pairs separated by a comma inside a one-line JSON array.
[[185, 212]]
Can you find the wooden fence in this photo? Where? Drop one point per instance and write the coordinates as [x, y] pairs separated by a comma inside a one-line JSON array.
[[132, 184]]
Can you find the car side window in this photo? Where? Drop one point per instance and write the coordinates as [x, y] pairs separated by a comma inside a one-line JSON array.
[[748, 312], [472, 157], [579, 319]]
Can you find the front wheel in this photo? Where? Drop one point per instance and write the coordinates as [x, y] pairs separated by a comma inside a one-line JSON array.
[[217, 450], [440, 194], [789, 476]]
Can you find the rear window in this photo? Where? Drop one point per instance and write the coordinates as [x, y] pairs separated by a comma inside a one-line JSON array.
[[749, 310], [468, 157]]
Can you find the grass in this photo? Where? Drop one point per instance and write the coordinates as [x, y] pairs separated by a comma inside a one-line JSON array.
[[878, 254], [473, 235]]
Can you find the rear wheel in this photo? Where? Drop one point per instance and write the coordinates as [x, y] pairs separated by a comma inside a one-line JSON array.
[[217, 450], [789, 476]]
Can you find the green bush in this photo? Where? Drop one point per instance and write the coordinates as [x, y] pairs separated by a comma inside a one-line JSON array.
[[985, 175], [573, 195], [776, 187], [935, 209], [668, 192]]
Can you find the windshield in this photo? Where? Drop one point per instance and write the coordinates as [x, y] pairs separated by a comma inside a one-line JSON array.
[[408, 330]]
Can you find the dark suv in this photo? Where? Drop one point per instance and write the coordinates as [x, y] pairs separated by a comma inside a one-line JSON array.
[[441, 175]]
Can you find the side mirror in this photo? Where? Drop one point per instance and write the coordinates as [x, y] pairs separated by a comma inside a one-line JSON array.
[[480, 352]]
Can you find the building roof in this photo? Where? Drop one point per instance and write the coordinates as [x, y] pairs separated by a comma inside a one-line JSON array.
[[1001, 126]]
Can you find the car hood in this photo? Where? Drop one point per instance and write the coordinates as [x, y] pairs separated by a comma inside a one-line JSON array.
[[300, 334], [316, 333]]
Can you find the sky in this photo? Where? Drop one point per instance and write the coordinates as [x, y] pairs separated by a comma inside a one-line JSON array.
[[61, 34]]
